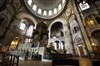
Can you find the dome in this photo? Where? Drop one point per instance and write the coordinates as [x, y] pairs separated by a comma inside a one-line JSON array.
[[47, 4], [46, 9]]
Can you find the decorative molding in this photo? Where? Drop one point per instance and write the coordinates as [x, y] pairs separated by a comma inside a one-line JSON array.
[[16, 3]]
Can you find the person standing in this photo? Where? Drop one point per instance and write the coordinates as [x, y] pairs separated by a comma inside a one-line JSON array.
[[26, 56]]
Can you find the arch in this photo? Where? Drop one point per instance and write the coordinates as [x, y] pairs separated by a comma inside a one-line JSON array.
[[62, 20], [39, 11], [50, 12], [2, 4], [73, 23], [3, 17], [25, 15], [96, 41], [59, 7], [75, 29], [96, 34], [57, 30], [42, 24], [34, 7], [66, 32], [74, 26], [55, 10], [79, 46], [57, 44], [28, 21], [94, 30]]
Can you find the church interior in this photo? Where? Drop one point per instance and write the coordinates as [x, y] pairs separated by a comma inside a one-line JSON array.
[[49, 32]]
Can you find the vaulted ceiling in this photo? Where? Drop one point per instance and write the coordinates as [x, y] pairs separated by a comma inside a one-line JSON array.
[[47, 4], [45, 9]]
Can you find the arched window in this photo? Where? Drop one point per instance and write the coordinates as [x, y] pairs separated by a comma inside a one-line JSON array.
[[34, 7], [96, 34], [59, 7], [50, 12], [39, 11], [29, 2], [22, 26], [55, 11], [30, 31], [45, 13], [75, 29]]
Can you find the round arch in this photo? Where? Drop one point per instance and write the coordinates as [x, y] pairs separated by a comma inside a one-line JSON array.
[[25, 15], [64, 23], [62, 20], [94, 30], [66, 38]]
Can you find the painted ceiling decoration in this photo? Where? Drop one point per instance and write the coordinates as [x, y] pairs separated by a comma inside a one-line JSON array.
[[45, 9]]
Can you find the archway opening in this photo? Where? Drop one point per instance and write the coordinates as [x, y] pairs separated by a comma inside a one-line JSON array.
[[96, 42], [57, 30]]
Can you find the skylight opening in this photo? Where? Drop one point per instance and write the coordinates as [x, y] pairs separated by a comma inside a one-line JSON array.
[[34, 7], [59, 7], [50, 12], [40, 11], [55, 11], [45, 13], [29, 2]]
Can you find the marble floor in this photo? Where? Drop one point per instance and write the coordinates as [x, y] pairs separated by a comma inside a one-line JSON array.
[[83, 62]]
